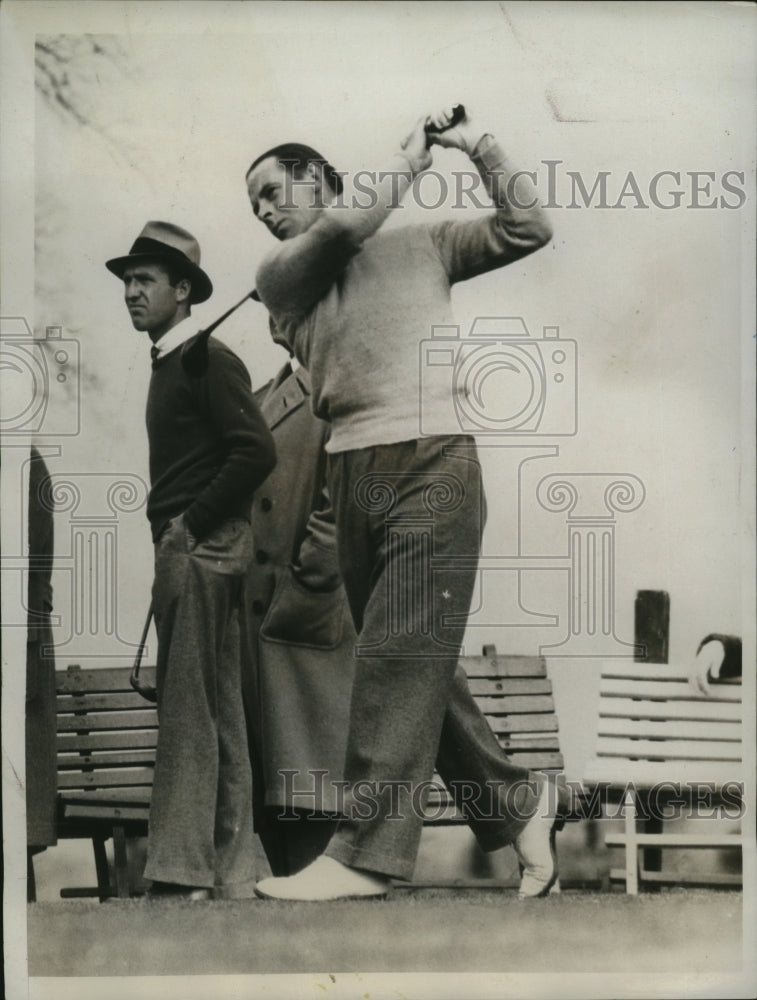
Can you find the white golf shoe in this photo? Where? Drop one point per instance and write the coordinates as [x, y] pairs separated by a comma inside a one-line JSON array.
[[325, 879]]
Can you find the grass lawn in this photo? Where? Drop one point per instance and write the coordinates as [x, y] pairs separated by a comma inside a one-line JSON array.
[[425, 930]]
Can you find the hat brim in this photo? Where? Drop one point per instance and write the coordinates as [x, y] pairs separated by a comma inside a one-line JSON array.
[[202, 286]]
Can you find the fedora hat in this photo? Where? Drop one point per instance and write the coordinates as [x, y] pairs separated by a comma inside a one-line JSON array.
[[164, 241]]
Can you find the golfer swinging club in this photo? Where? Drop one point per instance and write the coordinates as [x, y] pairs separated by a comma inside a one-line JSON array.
[[353, 302]]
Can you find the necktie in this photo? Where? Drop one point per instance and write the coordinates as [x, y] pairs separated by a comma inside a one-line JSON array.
[[154, 353]]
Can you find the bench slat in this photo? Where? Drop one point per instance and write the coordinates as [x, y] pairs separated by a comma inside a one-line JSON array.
[[676, 840], [538, 761], [73, 812], [104, 701], [681, 878], [128, 795], [645, 774], [119, 778], [672, 690], [76, 762], [532, 741], [504, 666], [503, 724], [700, 710], [669, 728], [633, 670], [139, 719], [519, 704], [100, 679], [504, 687], [669, 749], [107, 741], [501, 706]]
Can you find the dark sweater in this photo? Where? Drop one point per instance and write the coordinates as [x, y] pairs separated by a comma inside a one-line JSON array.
[[210, 447]]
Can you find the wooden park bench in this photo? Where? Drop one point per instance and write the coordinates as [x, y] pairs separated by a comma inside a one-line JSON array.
[[107, 735], [662, 748]]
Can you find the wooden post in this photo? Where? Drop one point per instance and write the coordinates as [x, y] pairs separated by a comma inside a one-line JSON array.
[[652, 625], [652, 635], [632, 850]]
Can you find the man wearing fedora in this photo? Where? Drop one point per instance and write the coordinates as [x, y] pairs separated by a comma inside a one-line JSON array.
[[210, 449]]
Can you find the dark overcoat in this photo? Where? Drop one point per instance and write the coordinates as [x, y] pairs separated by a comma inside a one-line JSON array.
[[41, 774], [299, 628]]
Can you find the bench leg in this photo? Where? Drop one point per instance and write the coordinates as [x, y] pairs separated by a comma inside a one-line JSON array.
[[31, 882], [101, 867], [121, 863], [632, 850], [652, 856]]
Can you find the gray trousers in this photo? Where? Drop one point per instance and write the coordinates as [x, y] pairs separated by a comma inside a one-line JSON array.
[[200, 828], [409, 522]]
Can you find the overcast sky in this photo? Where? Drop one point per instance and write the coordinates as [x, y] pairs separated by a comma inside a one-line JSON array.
[[651, 296], [659, 301]]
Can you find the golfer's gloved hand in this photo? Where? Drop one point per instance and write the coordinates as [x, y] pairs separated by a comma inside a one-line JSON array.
[[465, 136]]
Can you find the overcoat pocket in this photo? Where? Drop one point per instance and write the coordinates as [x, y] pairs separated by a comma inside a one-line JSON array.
[[299, 616]]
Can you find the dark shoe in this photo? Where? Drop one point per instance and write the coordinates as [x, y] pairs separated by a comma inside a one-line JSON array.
[[235, 890], [166, 891]]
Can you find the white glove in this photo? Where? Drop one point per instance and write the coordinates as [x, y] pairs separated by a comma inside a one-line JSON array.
[[707, 666]]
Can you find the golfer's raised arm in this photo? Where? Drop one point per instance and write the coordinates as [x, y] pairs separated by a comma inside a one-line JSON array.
[[517, 227], [303, 268]]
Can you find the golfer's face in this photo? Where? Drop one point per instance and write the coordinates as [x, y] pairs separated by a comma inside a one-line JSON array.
[[150, 298], [286, 204]]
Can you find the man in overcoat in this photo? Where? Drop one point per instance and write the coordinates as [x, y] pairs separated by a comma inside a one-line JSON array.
[[299, 668], [41, 774]]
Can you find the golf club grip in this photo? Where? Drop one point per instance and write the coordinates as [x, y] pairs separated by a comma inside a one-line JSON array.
[[458, 113]]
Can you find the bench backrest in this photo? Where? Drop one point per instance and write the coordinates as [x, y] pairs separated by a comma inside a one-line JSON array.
[[106, 740], [107, 732], [515, 695], [654, 727]]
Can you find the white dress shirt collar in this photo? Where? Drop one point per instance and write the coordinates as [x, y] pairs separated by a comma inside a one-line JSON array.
[[174, 338]]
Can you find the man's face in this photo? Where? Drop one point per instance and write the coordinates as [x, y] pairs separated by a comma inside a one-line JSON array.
[[287, 205], [152, 301]]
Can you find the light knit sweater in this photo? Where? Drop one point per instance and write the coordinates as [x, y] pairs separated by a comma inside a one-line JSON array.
[[355, 303]]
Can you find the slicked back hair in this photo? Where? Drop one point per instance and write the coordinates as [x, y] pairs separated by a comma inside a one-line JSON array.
[[295, 157]]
